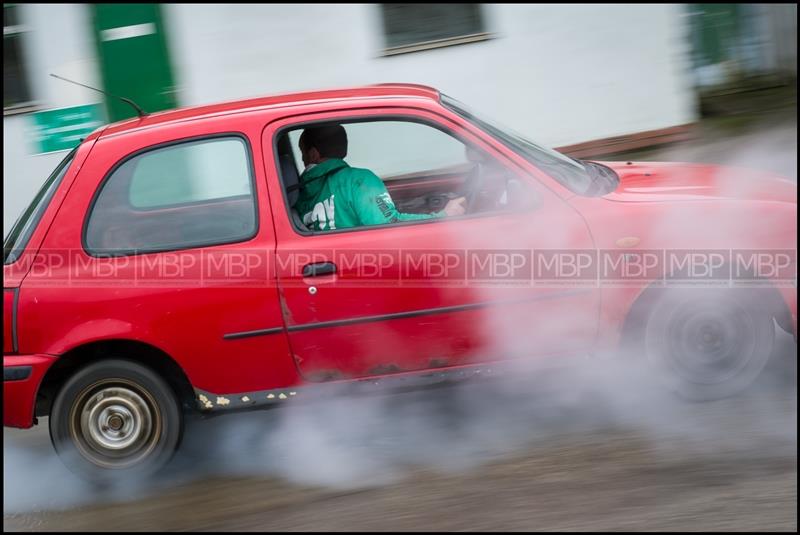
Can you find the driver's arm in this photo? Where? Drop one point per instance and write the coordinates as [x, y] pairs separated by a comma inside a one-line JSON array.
[[374, 206]]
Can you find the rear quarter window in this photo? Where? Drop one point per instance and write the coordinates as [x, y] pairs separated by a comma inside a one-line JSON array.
[[192, 194]]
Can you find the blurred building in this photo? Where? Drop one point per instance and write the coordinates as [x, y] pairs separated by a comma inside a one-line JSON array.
[[564, 75], [732, 43]]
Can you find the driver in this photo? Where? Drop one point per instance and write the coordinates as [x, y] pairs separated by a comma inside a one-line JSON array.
[[334, 195]]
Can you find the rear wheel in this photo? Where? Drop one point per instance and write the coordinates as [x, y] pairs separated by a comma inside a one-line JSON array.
[[114, 420], [708, 343]]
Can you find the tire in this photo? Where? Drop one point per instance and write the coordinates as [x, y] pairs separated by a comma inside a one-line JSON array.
[[709, 344], [115, 420]]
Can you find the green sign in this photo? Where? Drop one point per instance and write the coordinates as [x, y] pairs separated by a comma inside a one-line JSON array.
[[63, 128], [125, 34]]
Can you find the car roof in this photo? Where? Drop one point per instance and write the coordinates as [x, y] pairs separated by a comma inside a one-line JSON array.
[[387, 90]]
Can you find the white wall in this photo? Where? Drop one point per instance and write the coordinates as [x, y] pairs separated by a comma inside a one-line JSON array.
[[560, 74], [23, 172], [59, 41]]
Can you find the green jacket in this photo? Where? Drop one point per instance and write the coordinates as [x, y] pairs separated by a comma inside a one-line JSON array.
[[335, 196]]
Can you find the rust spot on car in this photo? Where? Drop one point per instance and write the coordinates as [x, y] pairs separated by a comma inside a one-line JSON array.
[[325, 375], [438, 363], [205, 403], [285, 311], [385, 369]]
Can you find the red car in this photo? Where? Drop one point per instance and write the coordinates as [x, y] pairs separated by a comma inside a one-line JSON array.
[[162, 269]]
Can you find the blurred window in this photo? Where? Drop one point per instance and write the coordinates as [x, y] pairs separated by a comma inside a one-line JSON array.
[[191, 194], [422, 165], [188, 173], [411, 27], [16, 93], [568, 171], [394, 149]]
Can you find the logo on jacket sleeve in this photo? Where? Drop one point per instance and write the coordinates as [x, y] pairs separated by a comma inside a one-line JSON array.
[[322, 216], [385, 205]]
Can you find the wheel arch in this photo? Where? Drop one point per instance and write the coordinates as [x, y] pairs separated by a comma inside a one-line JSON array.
[[767, 296], [79, 357]]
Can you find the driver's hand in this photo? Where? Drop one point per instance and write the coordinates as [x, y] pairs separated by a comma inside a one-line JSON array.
[[456, 207]]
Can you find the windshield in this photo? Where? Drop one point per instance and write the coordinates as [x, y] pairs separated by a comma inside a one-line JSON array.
[[571, 173], [21, 232]]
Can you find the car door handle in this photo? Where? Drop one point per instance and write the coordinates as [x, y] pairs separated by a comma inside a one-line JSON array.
[[318, 269]]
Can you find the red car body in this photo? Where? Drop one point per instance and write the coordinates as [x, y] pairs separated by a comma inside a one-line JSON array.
[[257, 335]]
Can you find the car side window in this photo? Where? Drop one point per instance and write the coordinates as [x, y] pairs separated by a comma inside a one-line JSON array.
[[190, 194], [422, 167], [394, 149]]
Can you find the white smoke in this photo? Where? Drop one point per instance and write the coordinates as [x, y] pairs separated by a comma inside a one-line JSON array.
[[347, 442]]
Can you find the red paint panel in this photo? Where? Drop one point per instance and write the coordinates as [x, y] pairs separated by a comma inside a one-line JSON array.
[[19, 397], [8, 320]]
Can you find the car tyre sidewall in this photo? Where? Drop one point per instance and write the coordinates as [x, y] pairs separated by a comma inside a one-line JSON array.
[[756, 330], [166, 403]]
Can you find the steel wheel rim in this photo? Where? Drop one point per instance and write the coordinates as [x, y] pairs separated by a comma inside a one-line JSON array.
[[115, 423]]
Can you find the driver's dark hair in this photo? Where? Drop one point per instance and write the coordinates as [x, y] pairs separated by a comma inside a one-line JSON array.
[[329, 140]]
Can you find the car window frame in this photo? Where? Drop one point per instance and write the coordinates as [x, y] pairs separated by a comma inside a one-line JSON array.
[[500, 158], [166, 144]]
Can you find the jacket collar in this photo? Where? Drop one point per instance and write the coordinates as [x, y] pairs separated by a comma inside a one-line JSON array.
[[322, 169]]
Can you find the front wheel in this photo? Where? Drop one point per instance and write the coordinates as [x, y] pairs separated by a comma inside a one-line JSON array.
[[707, 343], [115, 419]]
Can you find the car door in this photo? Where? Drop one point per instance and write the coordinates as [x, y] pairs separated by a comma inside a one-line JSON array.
[[166, 239], [431, 294]]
